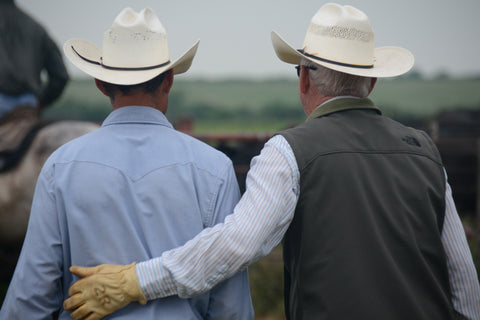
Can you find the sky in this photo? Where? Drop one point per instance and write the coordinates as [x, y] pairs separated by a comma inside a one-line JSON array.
[[443, 35]]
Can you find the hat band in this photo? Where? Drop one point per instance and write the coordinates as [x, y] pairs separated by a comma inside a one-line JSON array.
[[120, 68], [335, 62]]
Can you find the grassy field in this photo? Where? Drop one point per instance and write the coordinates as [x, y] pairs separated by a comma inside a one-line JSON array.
[[269, 105], [425, 98]]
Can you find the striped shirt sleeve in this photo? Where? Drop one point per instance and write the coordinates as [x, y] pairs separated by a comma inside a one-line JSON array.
[[461, 269], [256, 226]]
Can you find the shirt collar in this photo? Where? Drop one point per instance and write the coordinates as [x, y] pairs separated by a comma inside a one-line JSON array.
[[136, 114], [342, 103]]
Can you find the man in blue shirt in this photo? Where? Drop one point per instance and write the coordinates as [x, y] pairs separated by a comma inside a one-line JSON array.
[[27, 50], [128, 191], [27, 54]]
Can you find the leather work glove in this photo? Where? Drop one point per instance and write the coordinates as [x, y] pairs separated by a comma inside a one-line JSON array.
[[102, 290]]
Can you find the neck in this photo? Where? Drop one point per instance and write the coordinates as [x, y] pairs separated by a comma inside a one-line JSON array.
[[314, 101], [139, 99]]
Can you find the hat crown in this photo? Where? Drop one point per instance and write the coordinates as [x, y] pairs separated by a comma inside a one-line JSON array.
[[341, 34], [135, 40], [146, 19]]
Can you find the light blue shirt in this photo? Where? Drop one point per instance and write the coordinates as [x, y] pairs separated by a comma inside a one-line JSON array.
[[259, 222], [126, 192]]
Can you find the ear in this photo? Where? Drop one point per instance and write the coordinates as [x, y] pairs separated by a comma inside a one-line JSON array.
[[168, 81], [374, 81], [100, 87], [304, 81]]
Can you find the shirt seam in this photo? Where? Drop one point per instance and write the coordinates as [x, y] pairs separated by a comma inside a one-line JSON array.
[[210, 219], [135, 179]]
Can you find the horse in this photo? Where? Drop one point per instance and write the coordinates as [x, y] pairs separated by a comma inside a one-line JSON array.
[[17, 186]]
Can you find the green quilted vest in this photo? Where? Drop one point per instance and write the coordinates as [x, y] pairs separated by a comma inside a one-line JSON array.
[[365, 241]]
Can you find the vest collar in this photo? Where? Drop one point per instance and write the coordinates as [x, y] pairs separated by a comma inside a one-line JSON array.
[[336, 105]]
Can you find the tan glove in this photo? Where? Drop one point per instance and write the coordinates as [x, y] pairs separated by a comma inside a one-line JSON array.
[[103, 290]]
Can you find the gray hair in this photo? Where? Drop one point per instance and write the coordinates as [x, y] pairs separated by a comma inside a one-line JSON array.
[[334, 83]]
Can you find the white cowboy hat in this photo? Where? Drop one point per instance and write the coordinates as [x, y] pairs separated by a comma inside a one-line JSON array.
[[135, 50], [341, 38]]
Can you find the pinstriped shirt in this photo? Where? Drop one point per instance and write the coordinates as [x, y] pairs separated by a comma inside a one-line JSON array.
[[259, 222]]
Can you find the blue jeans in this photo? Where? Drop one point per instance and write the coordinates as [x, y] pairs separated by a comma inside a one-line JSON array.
[[8, 102]]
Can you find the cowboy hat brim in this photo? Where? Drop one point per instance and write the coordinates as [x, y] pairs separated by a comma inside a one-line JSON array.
[[389, 61], [86, 56]]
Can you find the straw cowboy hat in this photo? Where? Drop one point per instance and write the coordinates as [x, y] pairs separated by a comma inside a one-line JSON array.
[[135, 50], [341, 38]]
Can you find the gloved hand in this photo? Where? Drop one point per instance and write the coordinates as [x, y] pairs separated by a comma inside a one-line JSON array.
[[103, 290]]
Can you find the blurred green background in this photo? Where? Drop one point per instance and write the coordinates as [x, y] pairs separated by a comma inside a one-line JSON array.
[[236, 105]]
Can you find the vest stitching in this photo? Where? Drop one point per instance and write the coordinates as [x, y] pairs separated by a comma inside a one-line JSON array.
[[372, 152]]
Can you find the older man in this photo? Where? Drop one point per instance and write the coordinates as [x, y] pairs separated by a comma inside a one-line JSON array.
[[369, 226], [128, 191]]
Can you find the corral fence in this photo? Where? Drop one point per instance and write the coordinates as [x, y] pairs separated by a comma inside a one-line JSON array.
[[456, 134]]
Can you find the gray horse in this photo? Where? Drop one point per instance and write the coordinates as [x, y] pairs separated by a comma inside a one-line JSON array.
[[17, 186]]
